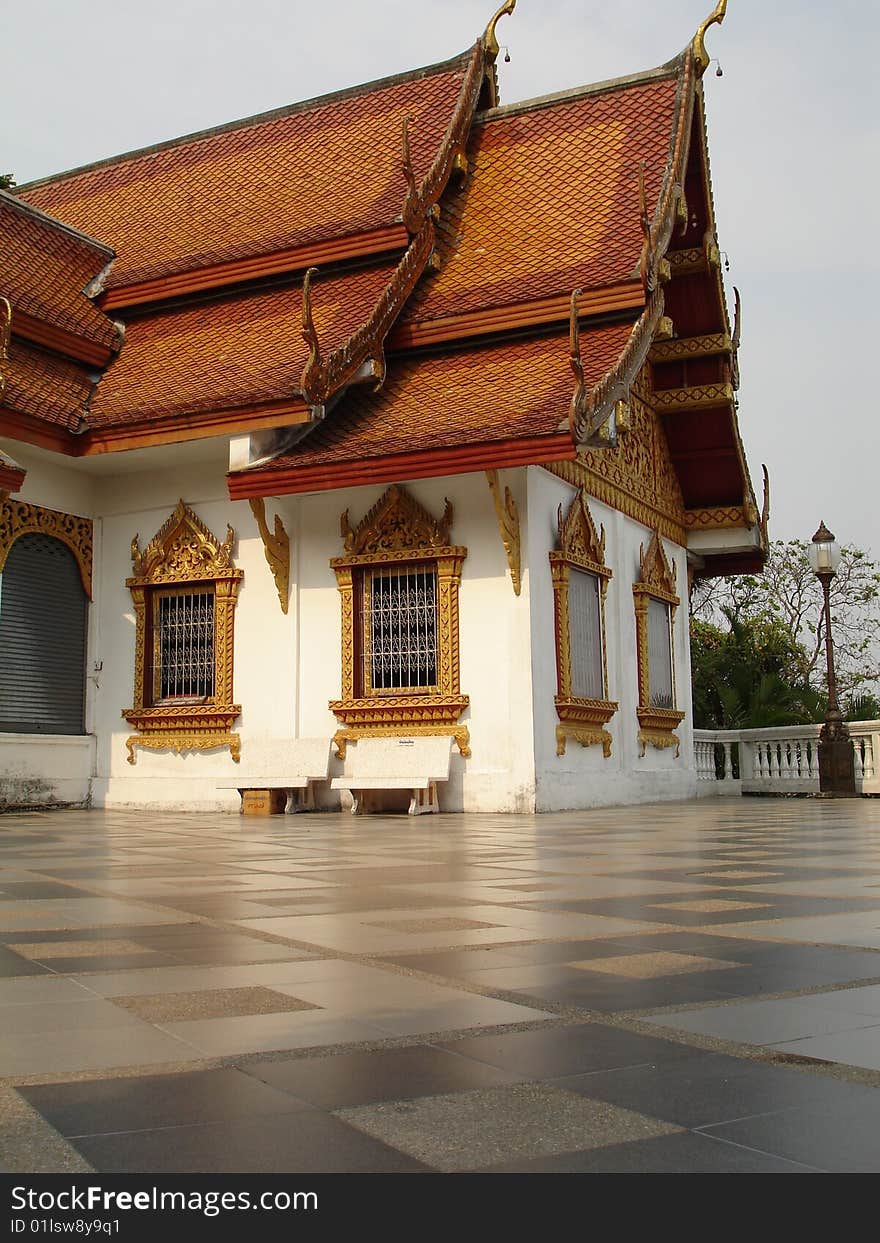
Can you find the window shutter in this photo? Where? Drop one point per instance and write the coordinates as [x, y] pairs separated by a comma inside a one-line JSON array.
[[43, 621]]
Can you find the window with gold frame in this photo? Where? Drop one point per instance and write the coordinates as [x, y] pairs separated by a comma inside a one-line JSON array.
[[655, 604], [580, 583], [184, 590], [398, 580]]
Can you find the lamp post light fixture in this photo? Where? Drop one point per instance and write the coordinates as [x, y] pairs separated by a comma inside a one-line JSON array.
[[836, 763]]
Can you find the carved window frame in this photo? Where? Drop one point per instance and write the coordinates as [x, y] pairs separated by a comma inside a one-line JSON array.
[[580, 548], [656, 582], [184, 554], [399, 531]]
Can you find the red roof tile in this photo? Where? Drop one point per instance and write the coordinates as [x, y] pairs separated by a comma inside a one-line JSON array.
[[552, 201], [499, 392], [46, 386], [324, 169], [230, 351], [45, 268]]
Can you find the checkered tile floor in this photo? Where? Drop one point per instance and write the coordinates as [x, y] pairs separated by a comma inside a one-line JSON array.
[[690, 987]]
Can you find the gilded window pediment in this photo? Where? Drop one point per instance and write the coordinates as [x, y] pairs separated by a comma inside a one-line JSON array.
[[396, 523], [656, 574], [183, 550]]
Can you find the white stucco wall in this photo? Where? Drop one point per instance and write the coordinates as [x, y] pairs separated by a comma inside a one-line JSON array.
[[43, 770], [287, 667], [583, 777]]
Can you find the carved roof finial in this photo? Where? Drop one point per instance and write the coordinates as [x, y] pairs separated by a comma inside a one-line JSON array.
[[408, 173], [490, 41], [574, 336], [644, 218], [715, 18], [765, 509], [737, 320], [5, 330], [309, 334]]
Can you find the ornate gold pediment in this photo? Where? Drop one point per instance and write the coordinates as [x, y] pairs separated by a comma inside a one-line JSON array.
[[183, 550], [578, 540], [397, 522], [17, 518], [656, 574]]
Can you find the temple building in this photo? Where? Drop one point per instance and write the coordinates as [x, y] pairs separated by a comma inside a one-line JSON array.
[[397, 413]]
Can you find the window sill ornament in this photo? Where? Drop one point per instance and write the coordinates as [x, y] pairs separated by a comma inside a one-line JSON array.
[[581, 548], [399, 531], [184, 552], [657, 722]]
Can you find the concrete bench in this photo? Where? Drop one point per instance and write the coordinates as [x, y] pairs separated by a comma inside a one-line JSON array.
[[414, 764], [300, 762]]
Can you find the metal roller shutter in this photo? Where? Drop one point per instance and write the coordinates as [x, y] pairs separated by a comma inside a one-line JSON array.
[[43, 618]]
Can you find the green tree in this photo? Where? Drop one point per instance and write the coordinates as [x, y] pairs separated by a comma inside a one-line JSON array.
[[747, 674], [789, 595], [7, 181]]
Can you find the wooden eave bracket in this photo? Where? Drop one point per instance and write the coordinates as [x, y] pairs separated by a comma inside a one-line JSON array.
[[508, 525], [276, 546]]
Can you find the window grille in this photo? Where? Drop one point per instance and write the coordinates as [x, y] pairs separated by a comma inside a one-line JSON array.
[[659, 655], [399, 629], [585, 636], [183, 645]]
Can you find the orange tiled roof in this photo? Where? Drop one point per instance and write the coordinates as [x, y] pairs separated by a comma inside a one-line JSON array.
[[499, 392], [552, 201], [323, 169], [52, 389], [230, 351], [45, 268]]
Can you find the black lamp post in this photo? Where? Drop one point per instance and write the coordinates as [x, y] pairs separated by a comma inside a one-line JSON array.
[[836, 765]]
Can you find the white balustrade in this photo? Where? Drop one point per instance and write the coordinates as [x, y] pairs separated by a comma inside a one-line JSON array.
[[784, 760]]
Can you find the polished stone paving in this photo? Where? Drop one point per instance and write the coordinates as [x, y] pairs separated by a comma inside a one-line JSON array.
[[689, 987]]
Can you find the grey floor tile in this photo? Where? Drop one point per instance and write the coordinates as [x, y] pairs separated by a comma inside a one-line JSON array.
[[106, 1106], [685, 1153], [707, 1088], [299, 1143], [383, 1075], [842, 1141], [770, 1022], [558, 1051]]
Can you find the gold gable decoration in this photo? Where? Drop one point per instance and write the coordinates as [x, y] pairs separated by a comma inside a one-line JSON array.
[[396, 522], [183, 552], [656, 575], [17, 518], [580, 548], [637, 475], [399, 530], [578, 540]]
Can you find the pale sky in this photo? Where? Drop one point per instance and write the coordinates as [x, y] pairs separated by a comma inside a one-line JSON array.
[[793, 139]]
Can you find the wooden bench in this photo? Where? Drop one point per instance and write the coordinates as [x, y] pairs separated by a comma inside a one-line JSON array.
[[414, 764], [301, 762]]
